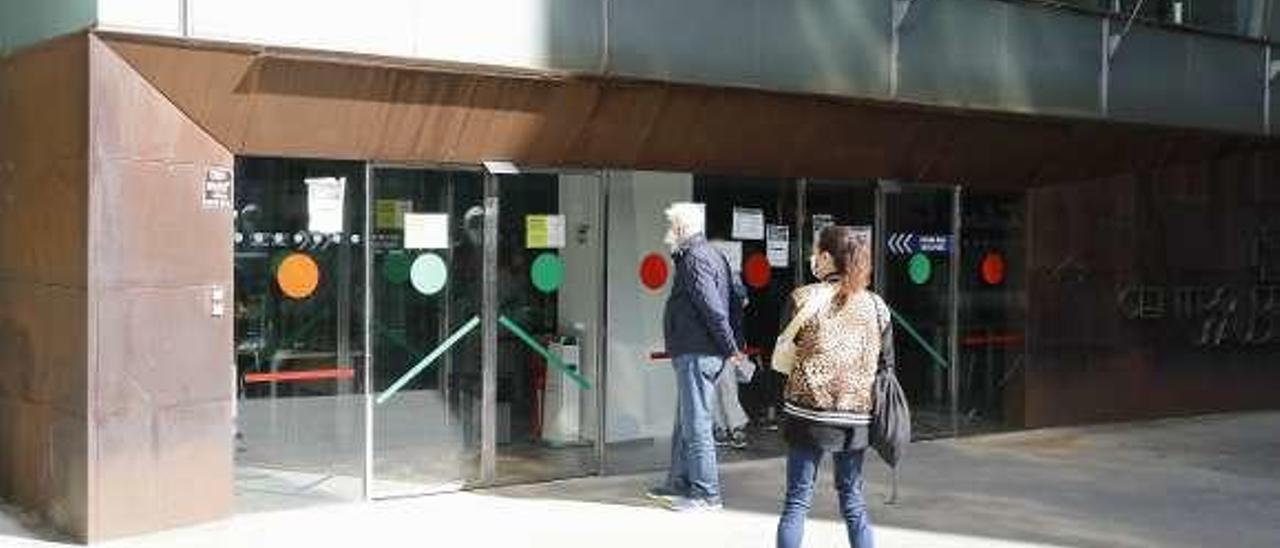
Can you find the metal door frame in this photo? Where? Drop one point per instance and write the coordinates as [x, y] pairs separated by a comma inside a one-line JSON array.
[[883, 189]]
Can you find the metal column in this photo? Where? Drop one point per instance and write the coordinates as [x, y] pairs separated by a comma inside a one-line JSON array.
[[878, 235], [367, 239], [602, 324], [802, 188], [954, 313], [489, 335]]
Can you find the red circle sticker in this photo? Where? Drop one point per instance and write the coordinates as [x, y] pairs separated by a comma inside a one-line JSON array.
[[757, 271], [993, 268], [654, 271]]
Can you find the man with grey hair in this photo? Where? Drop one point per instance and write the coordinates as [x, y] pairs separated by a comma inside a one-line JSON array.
[[699, 339]]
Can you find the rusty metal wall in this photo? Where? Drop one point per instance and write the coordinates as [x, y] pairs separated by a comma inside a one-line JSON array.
[[161, 365], [44, 201], [1155, 294], [298, 105]]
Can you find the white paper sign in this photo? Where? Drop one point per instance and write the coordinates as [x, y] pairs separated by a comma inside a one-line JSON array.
[[325, 197], [778, 246], [217, 189], [426, 230], [732, 251], [748, 223], [820, 222]]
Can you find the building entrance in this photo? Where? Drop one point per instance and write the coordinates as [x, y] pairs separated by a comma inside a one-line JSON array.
[[916, 230], [404, 330]]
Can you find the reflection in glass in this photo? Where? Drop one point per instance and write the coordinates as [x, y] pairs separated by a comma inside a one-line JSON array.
[[299, 324], [427, 261]]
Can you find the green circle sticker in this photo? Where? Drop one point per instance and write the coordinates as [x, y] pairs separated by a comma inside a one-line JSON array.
[[396, 267], [920, 269], [547, 272], [428, 274]]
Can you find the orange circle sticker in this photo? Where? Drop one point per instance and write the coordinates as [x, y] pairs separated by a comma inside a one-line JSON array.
[[298, 275]]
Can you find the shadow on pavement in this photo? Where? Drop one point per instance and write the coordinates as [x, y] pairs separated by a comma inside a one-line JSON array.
[[1201, 481]]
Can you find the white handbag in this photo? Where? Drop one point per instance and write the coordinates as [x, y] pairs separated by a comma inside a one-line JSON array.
[[784, 349]]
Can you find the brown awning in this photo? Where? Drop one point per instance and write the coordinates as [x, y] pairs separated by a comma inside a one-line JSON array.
[[309, 105]]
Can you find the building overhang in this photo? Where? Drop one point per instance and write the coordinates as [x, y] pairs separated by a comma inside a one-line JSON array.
[[268, 101]]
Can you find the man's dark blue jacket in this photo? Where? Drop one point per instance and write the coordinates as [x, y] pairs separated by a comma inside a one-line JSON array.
[[697, 316]]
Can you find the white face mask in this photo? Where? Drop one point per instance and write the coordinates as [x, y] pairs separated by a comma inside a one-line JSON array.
[[816, 267]]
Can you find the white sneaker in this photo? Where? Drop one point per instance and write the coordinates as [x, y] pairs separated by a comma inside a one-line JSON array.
[[686, 504]]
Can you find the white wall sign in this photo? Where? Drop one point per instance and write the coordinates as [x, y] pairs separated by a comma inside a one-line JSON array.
[[426, 230], [325, 196], [217, 189], [778, 246], [748, 223]]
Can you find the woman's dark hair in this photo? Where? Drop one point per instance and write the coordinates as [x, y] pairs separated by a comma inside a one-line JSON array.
[[851, 252]]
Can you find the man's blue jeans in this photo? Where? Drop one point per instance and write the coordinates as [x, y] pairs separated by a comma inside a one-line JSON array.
[[693, 448], [802, 474]]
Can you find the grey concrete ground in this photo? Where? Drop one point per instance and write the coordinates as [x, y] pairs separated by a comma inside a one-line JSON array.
[[1202, 481]]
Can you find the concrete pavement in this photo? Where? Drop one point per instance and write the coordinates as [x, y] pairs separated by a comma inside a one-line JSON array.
[[1201, 481]]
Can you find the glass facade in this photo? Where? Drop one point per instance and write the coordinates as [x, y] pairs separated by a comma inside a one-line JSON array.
[[515, 319]]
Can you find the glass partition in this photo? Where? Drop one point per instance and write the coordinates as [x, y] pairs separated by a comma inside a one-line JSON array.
[[580, 381], [914, 268], [549, 293], [992, 310], [427, 258], [299, 312]]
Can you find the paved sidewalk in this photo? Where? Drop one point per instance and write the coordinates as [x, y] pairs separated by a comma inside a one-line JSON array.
[[1204, 481]]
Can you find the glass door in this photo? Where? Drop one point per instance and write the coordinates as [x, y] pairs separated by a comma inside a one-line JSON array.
[[549, 300], [916, 261], [299, 317], [427, 254]]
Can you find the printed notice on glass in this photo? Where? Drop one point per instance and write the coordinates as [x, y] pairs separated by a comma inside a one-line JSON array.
[[544, 231], [217, 189], [748, 223], [778, 245], [426, 231], [732, 252], [324, 204], [389, 214], [820, 222]]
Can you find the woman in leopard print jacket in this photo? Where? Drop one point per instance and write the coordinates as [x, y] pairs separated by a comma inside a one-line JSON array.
[[828, 393]]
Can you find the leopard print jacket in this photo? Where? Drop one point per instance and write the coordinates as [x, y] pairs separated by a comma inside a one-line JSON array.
[[837, 355]]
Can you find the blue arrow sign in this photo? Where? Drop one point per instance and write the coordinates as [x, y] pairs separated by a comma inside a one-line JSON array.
[[906, 243]]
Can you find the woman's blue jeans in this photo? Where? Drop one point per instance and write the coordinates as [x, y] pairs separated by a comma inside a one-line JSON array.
[[802, 475]]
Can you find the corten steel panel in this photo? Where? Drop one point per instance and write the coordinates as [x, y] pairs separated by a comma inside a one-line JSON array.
[[43, 282], [162, 418], [154, 347], [1189, 226], [351, 108], [42, 164], [161, 391], [148, 238]]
